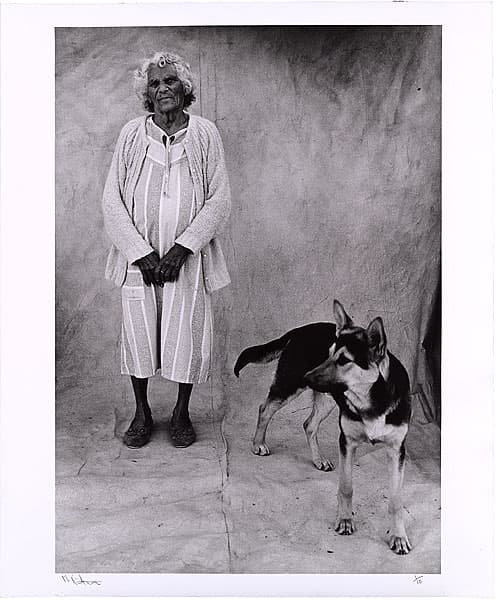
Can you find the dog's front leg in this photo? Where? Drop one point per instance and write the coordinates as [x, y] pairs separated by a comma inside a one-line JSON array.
[[398, 540], [344, 522]]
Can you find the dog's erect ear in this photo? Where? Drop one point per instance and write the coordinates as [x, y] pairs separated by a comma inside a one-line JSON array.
[[342, 319], [376, 337]]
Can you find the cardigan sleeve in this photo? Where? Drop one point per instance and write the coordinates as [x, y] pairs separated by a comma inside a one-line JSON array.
[[214, 214], [118, 222]]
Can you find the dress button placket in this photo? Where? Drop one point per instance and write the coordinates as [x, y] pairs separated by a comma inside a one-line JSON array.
[[167, 143]]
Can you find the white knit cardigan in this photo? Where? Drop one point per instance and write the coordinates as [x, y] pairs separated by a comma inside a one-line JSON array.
[[205, 153]]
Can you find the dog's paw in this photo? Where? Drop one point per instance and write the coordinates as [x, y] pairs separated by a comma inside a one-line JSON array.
[[400, 544], [344, 526], [323, 464], [260, 449]]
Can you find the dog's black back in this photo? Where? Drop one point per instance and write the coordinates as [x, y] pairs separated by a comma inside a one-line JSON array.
[[308, 347], [300, 350]]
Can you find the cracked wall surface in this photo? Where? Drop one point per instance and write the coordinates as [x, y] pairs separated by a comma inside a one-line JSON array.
[[332, 139]]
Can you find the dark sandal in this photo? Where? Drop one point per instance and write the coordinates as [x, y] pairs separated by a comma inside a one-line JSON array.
[[182, 436], [136, 438]]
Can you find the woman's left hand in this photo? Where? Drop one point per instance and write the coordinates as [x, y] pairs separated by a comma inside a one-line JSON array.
[[170, 264]]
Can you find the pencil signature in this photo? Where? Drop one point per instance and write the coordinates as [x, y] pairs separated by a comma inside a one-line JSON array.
[[78, 580]]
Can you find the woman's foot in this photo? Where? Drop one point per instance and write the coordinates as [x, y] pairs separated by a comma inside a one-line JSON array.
[[181, 431], [180, 427], [140, 430], [139, 433]]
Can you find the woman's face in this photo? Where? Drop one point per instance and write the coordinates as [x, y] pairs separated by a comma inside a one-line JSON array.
[[165, 90]]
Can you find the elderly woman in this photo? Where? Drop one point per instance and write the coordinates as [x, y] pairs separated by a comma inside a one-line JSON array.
[[166, 198]]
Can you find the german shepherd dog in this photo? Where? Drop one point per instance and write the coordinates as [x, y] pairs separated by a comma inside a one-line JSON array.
[[371, 388]]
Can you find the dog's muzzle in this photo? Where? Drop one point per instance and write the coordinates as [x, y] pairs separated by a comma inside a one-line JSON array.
[[319, 384]]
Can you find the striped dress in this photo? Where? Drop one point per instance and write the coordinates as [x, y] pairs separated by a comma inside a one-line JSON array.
[[166, 329]]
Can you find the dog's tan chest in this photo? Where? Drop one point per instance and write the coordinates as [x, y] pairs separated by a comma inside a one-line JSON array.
[[370, 430], [376, 430]]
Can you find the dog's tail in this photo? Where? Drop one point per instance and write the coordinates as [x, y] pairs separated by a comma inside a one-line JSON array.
[[264, 353]]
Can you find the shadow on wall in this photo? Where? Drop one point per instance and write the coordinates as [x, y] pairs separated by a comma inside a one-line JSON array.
[[432, 346]]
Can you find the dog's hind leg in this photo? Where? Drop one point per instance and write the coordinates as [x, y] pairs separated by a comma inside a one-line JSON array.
[[398, 540], [275, 401], [322, 406]]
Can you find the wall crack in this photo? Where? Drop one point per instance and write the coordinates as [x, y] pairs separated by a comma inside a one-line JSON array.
[[224, 470]]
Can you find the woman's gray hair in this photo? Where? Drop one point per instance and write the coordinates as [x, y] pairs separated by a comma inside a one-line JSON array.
[[160, 59]]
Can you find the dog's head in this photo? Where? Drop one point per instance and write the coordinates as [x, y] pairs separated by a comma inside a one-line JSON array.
[[356, 359]]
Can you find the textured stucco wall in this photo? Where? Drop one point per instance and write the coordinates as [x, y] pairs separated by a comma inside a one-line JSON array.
[[332, 139]]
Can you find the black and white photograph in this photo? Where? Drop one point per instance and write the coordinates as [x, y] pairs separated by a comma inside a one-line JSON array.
[[246, 300], [257, 387]]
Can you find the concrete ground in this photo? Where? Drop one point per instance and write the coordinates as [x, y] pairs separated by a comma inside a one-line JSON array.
[[217, 508]]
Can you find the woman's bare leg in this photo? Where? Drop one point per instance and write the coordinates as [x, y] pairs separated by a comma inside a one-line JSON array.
[[181, 429], [138, 433]]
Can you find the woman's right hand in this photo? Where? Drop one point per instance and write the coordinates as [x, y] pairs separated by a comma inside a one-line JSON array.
[[147, 266]]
